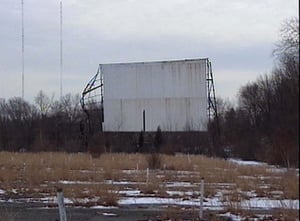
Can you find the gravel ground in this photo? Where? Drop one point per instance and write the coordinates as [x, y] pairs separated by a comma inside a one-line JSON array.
[[38, 212], [35, 212]]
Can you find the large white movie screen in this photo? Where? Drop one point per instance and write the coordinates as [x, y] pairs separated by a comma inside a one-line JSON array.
[[145, 95]]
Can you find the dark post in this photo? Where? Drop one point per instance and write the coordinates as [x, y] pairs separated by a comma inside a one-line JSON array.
[[201, 198], [144, 121]]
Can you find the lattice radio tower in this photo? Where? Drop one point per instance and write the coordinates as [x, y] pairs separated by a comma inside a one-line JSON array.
[[61, 52], [22, 8]]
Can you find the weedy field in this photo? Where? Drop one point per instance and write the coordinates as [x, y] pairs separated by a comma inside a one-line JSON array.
[[172, 182]]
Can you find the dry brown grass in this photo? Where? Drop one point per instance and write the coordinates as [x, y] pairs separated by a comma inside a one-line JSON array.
[[173, 213], [290, 184], [286, 214], [40, 174]]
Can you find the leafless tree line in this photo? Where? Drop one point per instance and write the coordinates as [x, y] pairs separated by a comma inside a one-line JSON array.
[[265, 123], [46, 125]]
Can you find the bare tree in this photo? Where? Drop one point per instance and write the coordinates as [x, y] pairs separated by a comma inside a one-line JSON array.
[[249, 100], [43, 103], [67, 116], [70, 106], [21, 116], [289, 43], [265, 124], [4, 134]]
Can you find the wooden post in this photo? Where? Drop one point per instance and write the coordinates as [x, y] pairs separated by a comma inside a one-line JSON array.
[[61, 205], [147, 178], [144, 120], [201, 198], [189, 159]]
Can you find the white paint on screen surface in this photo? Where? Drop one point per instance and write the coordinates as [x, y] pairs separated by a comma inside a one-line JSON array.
[[173, 95]]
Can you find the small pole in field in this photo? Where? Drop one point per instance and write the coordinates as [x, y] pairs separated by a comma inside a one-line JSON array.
[[201, 198], [147, 178], [61, 205], [189, 159]]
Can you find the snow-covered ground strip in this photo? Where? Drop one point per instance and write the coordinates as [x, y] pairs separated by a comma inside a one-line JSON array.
[[231, 217], [135, 197], [103, 207], [217, 202], [181, 198], [269, 168], [265, 203], [181, 193], [109, 214], [209, 203], [247, 163], [181, 184], [77, 182], [122, 182], [135, 193]]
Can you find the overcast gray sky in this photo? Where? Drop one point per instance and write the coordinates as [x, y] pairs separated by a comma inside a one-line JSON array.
[[238, 36]]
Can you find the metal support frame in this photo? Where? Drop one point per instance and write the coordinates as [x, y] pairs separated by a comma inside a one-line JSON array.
[[92, 97], [212, 110], [211, 94]]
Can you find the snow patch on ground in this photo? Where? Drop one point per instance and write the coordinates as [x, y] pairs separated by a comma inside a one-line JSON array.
[[103, 207], [109, 214], [130, 192], [69, 182], [231, 217], [246, 163], [180, 184]]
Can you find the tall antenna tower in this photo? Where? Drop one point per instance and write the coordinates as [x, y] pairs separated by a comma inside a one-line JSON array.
[[61, 52], [22, 8]]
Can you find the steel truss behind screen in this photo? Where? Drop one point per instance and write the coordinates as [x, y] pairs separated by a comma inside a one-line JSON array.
[[92, 95], [92, 101], [211, 94]]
